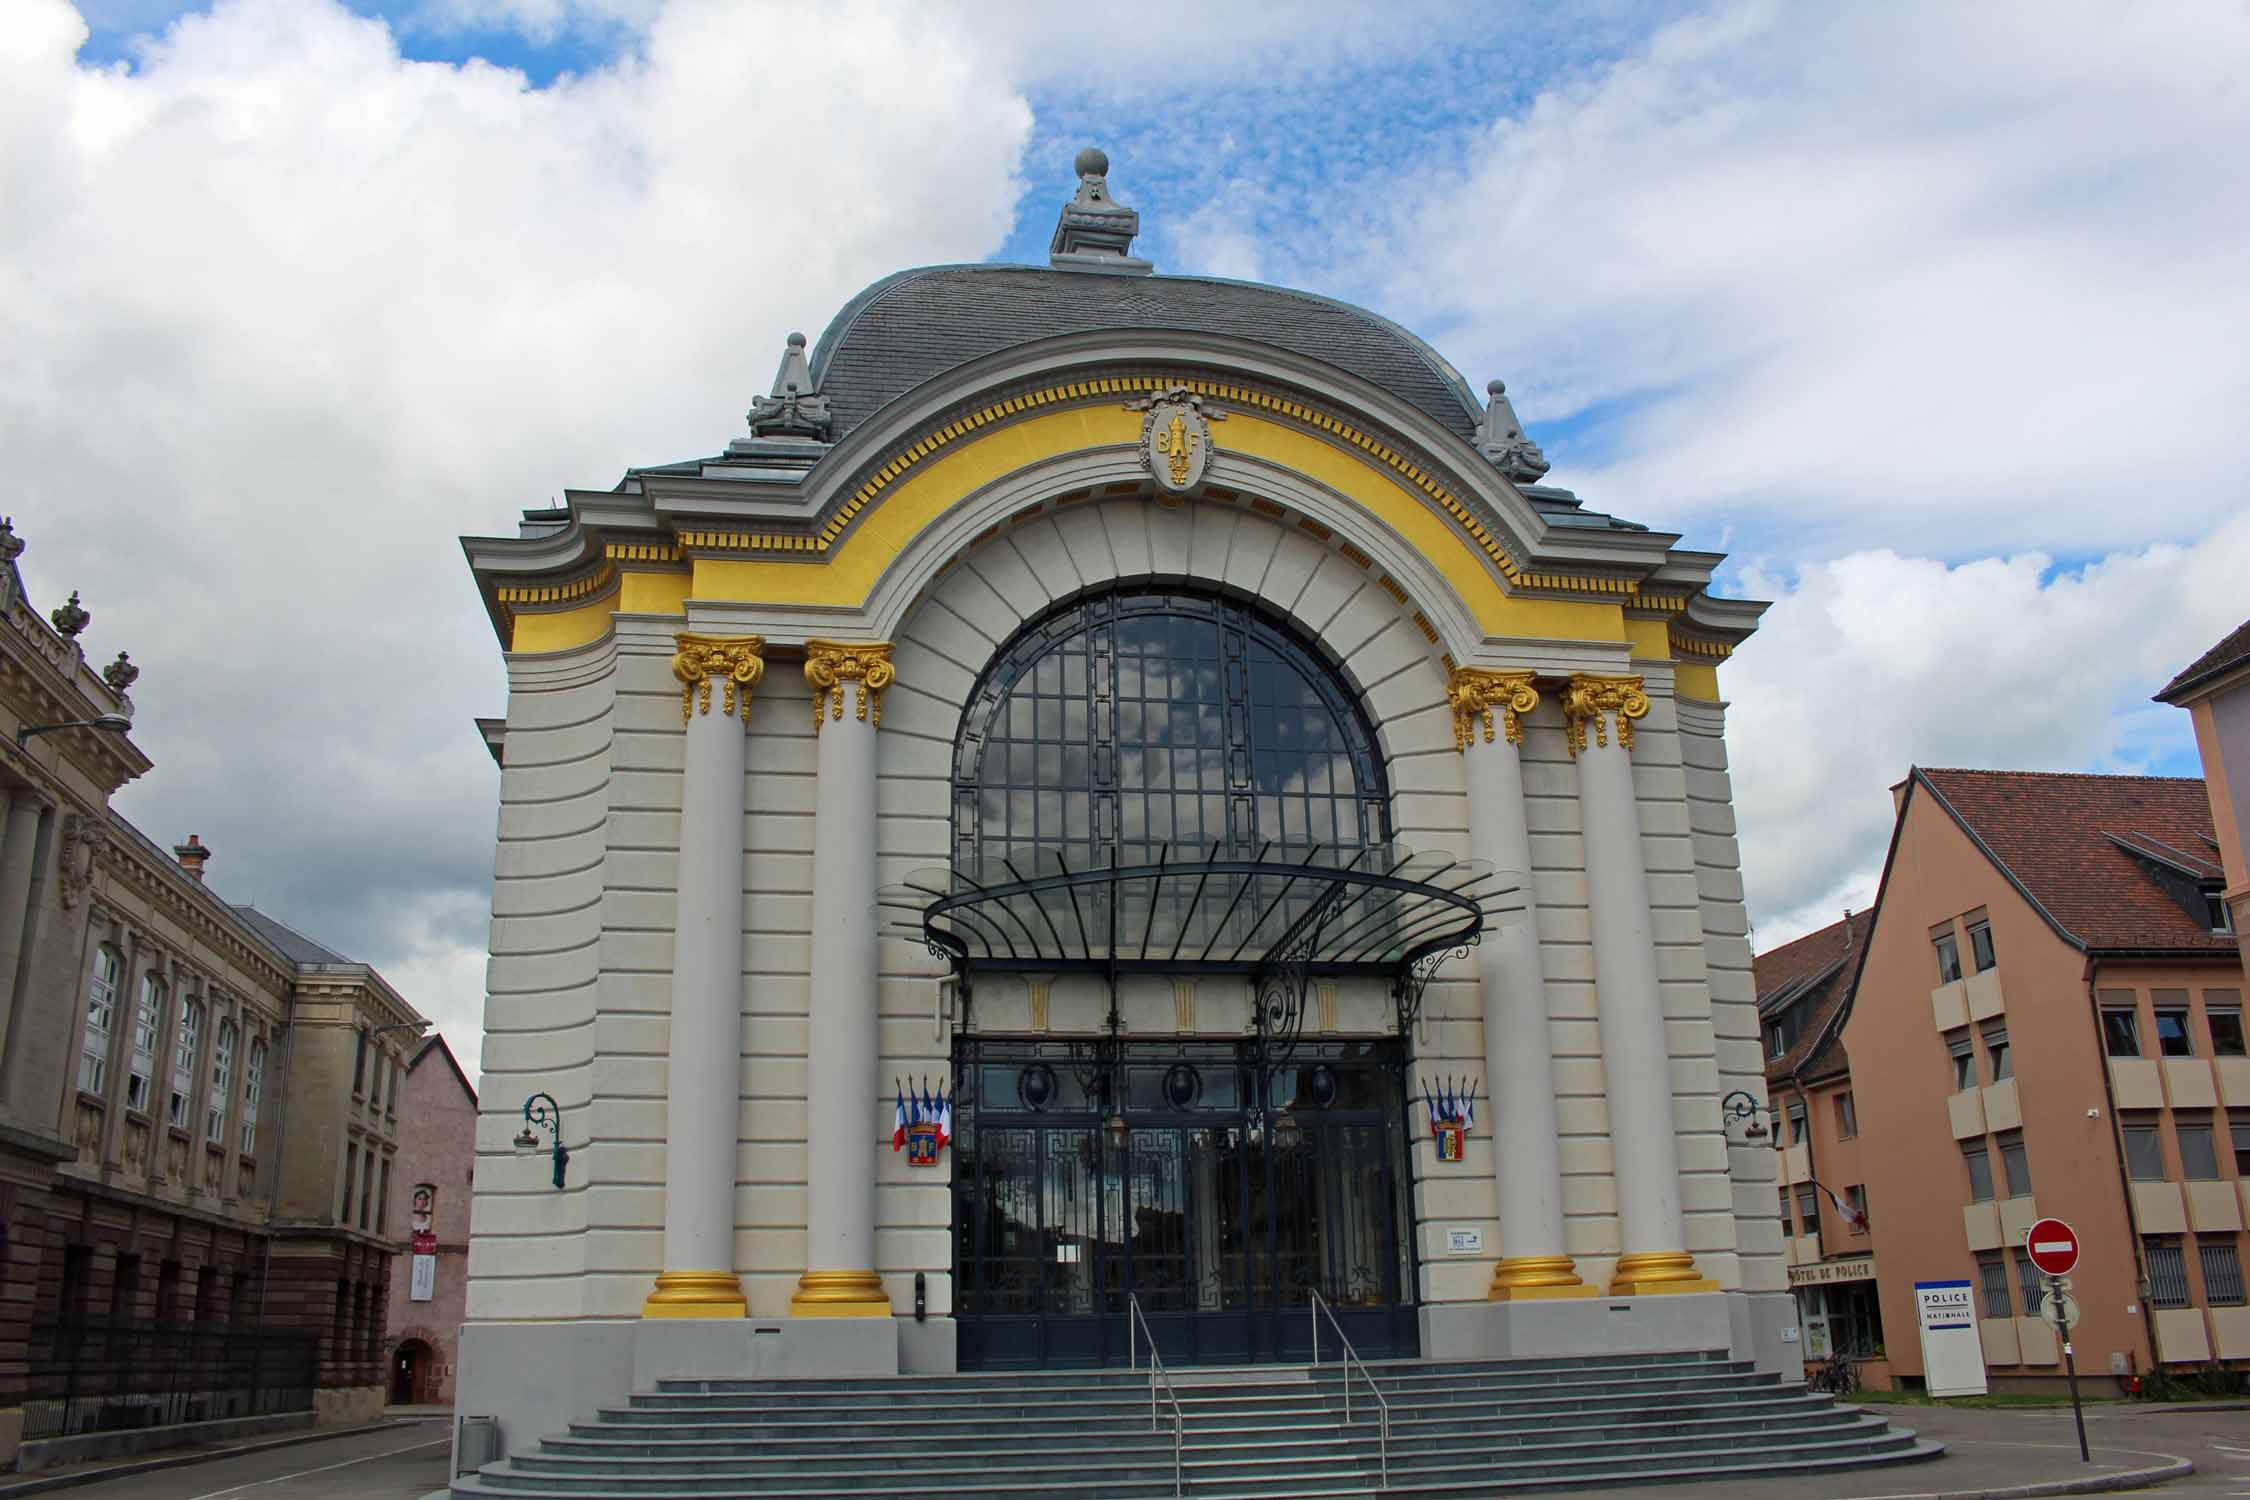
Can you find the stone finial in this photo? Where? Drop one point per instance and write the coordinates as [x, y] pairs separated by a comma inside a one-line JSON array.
[[121, 673], [794, 409], [11, 545], [1095, 232], [68, 618], [1501, 439], [192, 855]]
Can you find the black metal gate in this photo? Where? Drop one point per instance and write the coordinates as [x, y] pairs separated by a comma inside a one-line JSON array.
[[1179, 1171]]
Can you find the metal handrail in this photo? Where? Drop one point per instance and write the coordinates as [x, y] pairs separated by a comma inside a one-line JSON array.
[[1351, 1357], [1136, 1319]]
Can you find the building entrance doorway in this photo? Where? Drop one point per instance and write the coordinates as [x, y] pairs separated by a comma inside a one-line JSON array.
[[410, 1373], [1219, 1193]]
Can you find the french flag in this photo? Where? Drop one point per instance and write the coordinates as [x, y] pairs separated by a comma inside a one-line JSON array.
[[944, 1118], [898, 1131]]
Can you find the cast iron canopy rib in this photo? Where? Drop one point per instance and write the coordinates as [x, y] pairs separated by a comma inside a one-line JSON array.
[[1362, 911]]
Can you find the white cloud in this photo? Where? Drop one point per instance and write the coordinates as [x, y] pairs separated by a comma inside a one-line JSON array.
[[281, 315], [1875, 662], [1971, 274]]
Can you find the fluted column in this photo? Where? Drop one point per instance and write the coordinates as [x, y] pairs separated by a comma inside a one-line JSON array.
[[1518, 1047], [840, 1074], [716, 675], [1636, 1055]]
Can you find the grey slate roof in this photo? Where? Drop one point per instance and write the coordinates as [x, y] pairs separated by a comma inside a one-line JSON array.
[[916, 324], [293, 945]]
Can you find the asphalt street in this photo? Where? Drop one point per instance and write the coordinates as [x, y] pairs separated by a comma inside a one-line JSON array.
[[1987, 1451]]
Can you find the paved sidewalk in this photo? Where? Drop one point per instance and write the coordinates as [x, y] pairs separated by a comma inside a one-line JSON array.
[[110, 1472], [2014, 1452]]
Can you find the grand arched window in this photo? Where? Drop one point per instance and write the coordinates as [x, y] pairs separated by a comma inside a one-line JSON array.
[[1139, 720]]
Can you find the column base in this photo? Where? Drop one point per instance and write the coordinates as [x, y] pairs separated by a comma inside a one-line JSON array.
[[696, 1294], [1526, 1278], [840, 1294], [1657, 1273]]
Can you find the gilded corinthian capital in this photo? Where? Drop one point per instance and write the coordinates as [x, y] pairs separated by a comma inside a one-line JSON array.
[[831, 664], [1476, 695], [737, 661], [1590, 700]]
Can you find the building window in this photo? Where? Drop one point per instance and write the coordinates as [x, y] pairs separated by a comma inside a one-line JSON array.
[[1856, 1196], [2028, 1280], [77, 1280], [2167, 1274], [1980, 1173], [1808, 1208], [148, 1023], [1992, 1274], [1998, 1061], [1964, 1062], [383, 1202], [2242, 1150], [253, 1085], [359, 1064], [1948, 957], [1776, 1042], [167, 1291], [2121, 1033], [2222, 1274], [2016, 1164], [366, 1186], [207, 1294], [1980, 945], [2144, 1150], [2199, 1161], [1797, 1122], [222, 1083], [1847, 1116], [101, 1010], [2226, 1030], [2215, 910], [2172, 1037], [351, 1179], [187, 1050]]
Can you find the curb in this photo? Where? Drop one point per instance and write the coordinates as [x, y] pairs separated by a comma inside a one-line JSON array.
[[2088, 1484], [96, 1474]]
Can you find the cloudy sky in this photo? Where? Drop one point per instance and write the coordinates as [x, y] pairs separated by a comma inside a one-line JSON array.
[[1934, 317]]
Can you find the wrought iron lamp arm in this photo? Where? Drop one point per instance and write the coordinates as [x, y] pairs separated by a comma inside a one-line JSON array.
[[1742, 1105], [541, 1111]]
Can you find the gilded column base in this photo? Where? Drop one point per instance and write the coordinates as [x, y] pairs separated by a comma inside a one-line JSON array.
[[1530, 1278], [696, 1294], [840, 1294], [1655, 1273]]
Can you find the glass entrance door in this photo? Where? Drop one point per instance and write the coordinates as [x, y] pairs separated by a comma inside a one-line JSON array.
[[1227, 1198]]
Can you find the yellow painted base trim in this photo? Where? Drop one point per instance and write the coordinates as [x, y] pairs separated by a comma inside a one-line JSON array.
[[1534, 1278], [1656, 1273], [697, 1294], [840, 1294]]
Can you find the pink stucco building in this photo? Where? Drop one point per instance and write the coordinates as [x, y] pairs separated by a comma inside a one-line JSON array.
[[430, 1202]]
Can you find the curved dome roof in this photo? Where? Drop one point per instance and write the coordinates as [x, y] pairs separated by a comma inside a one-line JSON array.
[[916, 324]]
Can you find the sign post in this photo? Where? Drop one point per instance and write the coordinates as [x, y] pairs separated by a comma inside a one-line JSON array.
[[2053, 1248]]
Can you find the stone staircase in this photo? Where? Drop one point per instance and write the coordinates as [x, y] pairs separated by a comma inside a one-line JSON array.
[[1457, 1429]]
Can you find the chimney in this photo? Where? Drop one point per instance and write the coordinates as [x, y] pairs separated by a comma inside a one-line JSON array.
[[191, 855]]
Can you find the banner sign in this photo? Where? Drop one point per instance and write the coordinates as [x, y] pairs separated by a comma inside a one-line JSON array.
[[1831, 1272], [423, 1286]]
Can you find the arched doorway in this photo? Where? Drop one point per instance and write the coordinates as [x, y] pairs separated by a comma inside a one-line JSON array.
[[1174, 782], [410, 1373]]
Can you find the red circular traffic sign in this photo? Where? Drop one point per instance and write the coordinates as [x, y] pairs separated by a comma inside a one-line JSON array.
[[2053, 1246]]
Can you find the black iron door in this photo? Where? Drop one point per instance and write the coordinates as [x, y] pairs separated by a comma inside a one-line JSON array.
[[1220, 1196]]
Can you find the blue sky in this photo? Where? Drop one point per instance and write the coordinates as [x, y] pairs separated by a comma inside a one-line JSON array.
[[1865, 297]]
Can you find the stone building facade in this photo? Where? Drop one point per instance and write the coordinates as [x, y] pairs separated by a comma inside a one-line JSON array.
[[1048, 626], [430, 1197], [192, 1095]]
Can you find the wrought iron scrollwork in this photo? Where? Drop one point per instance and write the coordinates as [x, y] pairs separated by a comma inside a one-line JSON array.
[[1278, 1003], [1412, 981]]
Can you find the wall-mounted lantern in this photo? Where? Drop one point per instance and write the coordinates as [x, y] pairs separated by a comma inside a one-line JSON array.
[[1739, 1105], [541, 1111]]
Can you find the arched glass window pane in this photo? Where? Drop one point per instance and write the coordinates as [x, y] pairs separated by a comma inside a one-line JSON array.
[[1131, 723]]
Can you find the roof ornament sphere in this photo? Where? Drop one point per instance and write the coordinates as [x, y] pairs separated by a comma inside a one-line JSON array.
[[1095, 231], [1502, 440]]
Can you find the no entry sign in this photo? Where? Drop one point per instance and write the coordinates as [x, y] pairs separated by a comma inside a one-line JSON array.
[[2053, 1246]]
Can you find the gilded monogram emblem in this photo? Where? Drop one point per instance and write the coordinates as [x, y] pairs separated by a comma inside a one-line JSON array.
[[1176, 438]]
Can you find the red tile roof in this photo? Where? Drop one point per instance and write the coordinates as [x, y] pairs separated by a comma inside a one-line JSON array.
[[1816, 970], [2062, 838], [2230, 653]]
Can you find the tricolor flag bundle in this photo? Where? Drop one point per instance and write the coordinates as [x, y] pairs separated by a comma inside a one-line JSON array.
[[1453, 1105], [920, 1109], [1849, 1214]]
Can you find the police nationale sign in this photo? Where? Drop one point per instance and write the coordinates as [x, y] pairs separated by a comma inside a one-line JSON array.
[[1831, 1272]]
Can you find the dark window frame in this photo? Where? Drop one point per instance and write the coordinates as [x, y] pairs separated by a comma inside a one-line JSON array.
[[1981, 954]]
